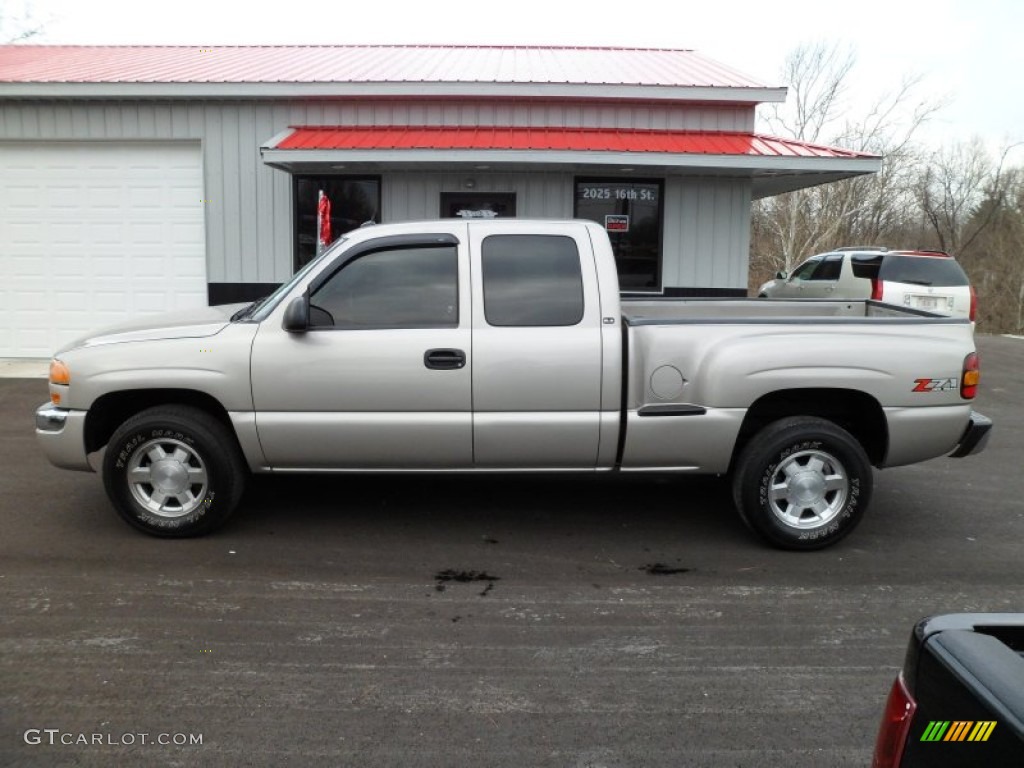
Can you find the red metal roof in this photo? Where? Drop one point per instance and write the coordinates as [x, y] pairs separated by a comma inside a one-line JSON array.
[[580, 139], [366, 64]]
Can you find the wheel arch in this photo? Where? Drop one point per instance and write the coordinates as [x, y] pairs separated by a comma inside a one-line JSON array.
[[857, 412], [111, 410]]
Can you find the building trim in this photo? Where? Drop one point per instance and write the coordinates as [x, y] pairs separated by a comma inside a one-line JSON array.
[[287, 159], [290, 91]]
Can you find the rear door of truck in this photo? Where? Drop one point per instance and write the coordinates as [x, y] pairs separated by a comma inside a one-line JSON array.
[[537, 346]]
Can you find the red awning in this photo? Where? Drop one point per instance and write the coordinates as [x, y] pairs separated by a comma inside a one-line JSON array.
[[392, 137]]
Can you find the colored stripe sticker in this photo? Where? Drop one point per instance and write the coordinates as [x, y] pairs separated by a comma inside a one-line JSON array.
[[935, 730], [958, 730], [982, 730]]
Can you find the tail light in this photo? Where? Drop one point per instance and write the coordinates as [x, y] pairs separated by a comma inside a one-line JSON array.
[[971, 376], [892, 733], [876, 289], [974, 304]]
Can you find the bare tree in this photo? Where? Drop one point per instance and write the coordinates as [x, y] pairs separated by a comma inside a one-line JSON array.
[[993, 252], [950, 190], [864, 210], [816, 75]]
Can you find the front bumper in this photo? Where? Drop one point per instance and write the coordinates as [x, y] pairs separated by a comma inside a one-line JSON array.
[[61, 434], [975, 437]]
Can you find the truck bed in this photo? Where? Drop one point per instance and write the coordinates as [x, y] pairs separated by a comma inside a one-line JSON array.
[[717, 356]]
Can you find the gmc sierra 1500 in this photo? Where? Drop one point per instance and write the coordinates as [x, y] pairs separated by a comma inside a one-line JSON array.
[[503, 345]]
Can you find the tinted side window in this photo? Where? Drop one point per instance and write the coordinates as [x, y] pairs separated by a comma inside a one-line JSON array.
[[922, 270], [532, 280], [829, 268], [401, 288], [865, 266]]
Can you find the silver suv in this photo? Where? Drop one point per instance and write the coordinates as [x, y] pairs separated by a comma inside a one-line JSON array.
[[926, 280]]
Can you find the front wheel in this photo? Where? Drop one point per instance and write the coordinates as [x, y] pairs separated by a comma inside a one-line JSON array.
[[802, 483], [174, 471]]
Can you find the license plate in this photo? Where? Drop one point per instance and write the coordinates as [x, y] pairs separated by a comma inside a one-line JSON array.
[[926, 302]]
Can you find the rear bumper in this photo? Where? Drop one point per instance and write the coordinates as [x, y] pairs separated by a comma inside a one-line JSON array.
[[61, 434], [975, 437]]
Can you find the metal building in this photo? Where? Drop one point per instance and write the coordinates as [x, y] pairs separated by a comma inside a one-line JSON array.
[[141, 179]]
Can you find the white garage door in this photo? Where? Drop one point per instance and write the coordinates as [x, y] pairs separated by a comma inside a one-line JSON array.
[[94, 233]]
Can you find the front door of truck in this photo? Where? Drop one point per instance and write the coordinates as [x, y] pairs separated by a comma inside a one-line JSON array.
[[381, 379], [537, 356]]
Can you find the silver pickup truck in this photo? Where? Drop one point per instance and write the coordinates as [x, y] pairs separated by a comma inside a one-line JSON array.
[[501, 346]]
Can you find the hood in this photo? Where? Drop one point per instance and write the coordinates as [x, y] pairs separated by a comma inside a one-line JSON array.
[[189, 323]]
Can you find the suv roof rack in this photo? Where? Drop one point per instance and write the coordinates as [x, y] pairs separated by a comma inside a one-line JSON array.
[[863, 248], [924, 252]]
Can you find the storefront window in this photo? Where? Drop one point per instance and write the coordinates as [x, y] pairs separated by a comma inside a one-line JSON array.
[[353, 202], [631, 213]]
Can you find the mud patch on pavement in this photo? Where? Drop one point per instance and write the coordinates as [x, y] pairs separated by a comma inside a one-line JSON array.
[[465, 577], [660, 569]]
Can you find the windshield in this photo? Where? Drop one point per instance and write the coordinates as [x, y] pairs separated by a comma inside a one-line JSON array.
[[265, 306]]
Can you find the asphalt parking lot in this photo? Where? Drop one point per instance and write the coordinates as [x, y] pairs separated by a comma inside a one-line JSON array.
[[501, 621]]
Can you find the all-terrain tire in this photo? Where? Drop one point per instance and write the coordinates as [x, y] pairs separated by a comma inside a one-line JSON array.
[[802, 483], [174, 471]]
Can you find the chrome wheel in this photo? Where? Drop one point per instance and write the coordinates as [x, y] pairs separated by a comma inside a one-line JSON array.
[[167, 477], [808, 489]]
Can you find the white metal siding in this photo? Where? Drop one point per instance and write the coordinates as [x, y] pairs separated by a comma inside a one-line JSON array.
[[249, 232], [707, 232], [93, 233], [411, 195]]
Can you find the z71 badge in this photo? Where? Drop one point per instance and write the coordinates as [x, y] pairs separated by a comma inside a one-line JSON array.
[[935, 385]]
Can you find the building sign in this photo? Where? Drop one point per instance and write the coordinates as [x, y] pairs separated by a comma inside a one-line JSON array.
[[625, 191], [616, 223], [465, 213], [478, 205]]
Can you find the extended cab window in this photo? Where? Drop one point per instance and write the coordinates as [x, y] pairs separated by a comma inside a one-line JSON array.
[[398, 288], [532, 280]]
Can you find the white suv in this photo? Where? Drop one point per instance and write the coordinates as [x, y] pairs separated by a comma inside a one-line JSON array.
[[932, 281]]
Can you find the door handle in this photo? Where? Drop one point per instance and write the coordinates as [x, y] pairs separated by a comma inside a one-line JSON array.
[[444, 359]]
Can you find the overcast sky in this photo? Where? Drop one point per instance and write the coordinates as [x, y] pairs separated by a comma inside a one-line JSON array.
[[971, 53]]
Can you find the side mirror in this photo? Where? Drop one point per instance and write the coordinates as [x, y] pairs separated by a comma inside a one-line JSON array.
[[296, 316], [781, 274]]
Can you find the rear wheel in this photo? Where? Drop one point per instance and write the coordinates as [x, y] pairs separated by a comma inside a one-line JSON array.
[[802, 483], [174, 471]]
